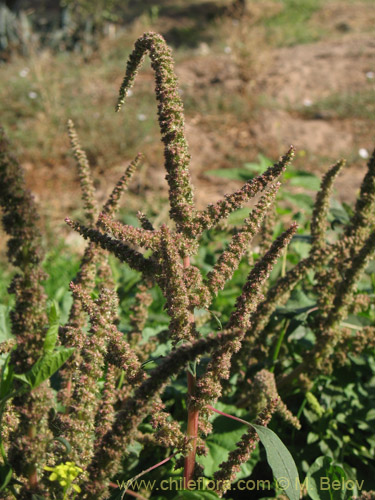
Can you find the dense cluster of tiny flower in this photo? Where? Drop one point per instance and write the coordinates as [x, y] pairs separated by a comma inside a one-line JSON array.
[[85, 178], [168, 432], [28, 318], [318, 224], [335, 281], [171, 120], [209, 385], [136, 407], [138, 317], [263, 390], [229, 260]]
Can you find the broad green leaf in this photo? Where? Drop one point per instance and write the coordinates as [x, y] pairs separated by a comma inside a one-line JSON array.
[[5, 475], [135, 448], [281, 462], [45, 367], [338, 212], [245, 173], [320, 477]]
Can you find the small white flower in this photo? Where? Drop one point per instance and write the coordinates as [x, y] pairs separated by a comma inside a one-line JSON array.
[[24, 72], [370, 75], [307, 102], [363, 153], [33, 95], [141, 117], [129, 93], [227, 49]]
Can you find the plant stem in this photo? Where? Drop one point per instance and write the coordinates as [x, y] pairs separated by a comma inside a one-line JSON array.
[[33, 475], [193, 418], [130, 481], [227, 415]]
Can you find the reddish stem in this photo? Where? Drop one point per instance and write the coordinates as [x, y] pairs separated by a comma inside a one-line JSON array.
[[150, 469], [193, 418], [192, 433], [227, 415]]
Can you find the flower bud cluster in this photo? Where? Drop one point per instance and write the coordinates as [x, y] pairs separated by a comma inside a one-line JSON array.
[[262, 390], [168, 432], [213, 214], [230, 258], [108, 455], [209, 385], [171, 121], [112, 204], [29, 320], [363, 217], [139, 313], [321, 206], [85, 176]]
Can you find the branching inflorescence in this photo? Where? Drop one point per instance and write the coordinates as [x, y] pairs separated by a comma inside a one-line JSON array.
[[100, 421]]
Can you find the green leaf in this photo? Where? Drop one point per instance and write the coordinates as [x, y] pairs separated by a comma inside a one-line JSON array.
[[319, 480], [235, 174], [281, 462], [303, 201], [238, 216], [6, 381], [5, 327], [6, 472], [53, 314], [244, 173], [149, 332], [260, 167], [45, 367], [53, 330], [216, 318], [64, 442], [306, 181]]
